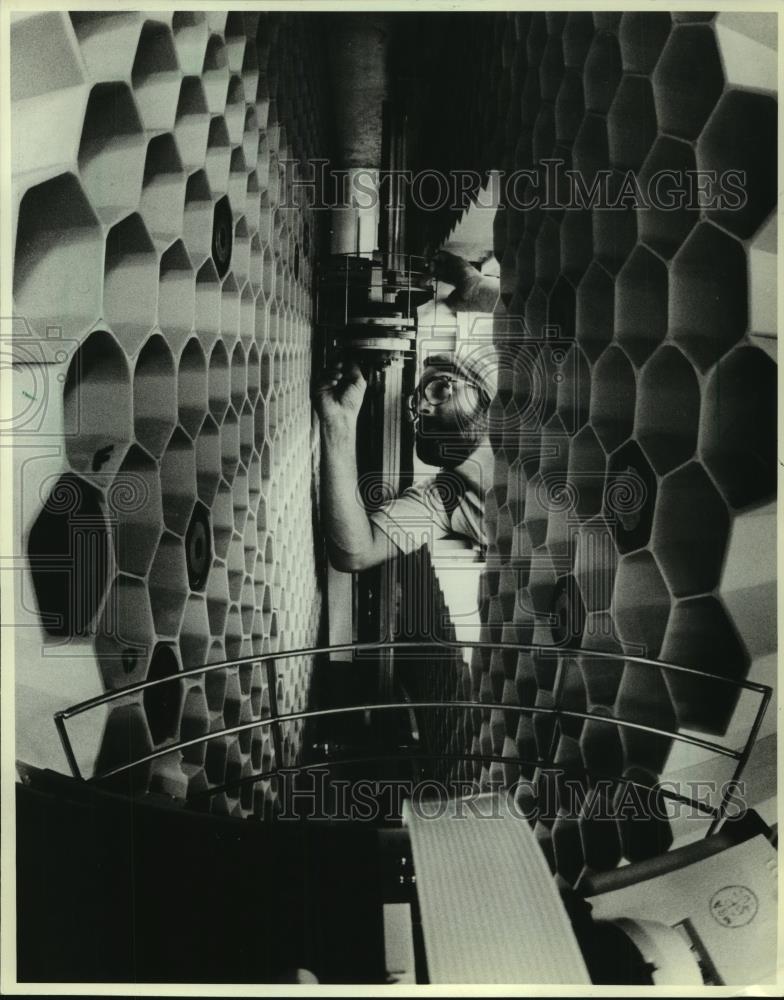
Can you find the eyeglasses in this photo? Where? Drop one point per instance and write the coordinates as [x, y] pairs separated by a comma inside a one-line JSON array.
[[437, 390]]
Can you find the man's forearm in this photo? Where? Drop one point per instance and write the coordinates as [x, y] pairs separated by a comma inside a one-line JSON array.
[[346, 526]]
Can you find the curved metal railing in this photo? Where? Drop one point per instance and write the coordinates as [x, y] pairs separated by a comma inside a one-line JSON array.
[[274, 721]]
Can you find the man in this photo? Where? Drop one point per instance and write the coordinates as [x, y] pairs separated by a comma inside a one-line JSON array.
[[449, 408]]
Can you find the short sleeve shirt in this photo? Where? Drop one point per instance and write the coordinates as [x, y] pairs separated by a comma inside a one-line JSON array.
[[426, 511]]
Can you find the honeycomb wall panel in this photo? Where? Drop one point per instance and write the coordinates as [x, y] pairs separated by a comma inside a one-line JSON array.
[[177, 443], [654, 452]]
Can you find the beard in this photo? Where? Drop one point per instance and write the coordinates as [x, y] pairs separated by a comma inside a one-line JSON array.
[[449, 450]]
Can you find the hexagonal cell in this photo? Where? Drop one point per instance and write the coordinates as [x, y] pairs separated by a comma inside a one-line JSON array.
[[218, 155], [235, 565], [61, 563], [568, 610], [738, 433], [250, 140], [644, 697], [645, 833], [602, 676], [602, 72], [708, 294], [590, 154], [741, 139], [168, 585], [668, 409], [641, 304], [641, 605], [615, 229], [241, 499], [163, 188], [247, 314], [543, 137], [222, 520], [192, 386], [126, 738], [194, 723], [236, 40], [176, 294], [607, 20], [577, 37], [253, 373], [162, 703], [748, 49], [208, 460], [630, 497], [247, 605], [47, 37], [107, 41], [551, 68], [219, 381], [561, 308], [197, 217], [235, 110], [230, 308], [762, 287], [126, 633], [215, 681], [569, 107], [631, 123], [672, 212], [612, 398], [688, 80], [701, 636], [191, 33], [690, 531], [230, 444], [594, 309], [238, 178], [195, 632], [246, 433], [234, 642], [58, 237], [215, 74], [250, 541], [239, 377], [217, 600], [156, 76], [595, 563], [130, 281], [111, 151], [748, 579], [178, 482], [97, 419], [154, 404], [208, 296], [586, 473], [642, 35], [192, 123]]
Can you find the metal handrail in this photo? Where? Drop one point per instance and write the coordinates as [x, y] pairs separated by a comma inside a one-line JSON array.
[[275, 720]]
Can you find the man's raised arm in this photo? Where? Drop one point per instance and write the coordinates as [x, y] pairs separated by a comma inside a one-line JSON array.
[[353, 542]]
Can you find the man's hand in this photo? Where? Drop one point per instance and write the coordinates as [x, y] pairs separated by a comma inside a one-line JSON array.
[[474, 292], [337, 395], [454, 270]]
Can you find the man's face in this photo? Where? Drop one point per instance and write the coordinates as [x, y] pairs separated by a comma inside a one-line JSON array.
[[449, 418]]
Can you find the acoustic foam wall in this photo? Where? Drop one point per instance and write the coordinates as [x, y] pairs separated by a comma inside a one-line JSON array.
[[163, 295], [662, 368]]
